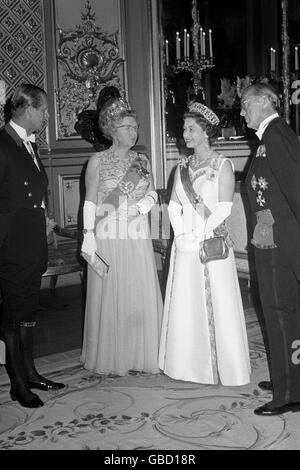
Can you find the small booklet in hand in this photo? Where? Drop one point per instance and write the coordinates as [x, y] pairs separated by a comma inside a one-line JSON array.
[[99, 265]]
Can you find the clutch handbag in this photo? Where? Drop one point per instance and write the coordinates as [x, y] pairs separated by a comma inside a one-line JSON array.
[[212, 249], [99, 265]]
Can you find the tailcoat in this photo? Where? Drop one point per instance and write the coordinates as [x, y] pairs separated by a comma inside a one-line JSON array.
[[273, 187], [23, 242]]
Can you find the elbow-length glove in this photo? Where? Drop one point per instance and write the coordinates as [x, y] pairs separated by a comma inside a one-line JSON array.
[[146, 204], [221, 213], [89, 245]]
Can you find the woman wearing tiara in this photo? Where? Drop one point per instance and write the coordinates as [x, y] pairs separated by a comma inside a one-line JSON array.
[[124, 309], [203, 336]]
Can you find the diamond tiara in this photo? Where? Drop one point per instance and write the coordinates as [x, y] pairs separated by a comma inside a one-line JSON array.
[[207, 113], [114, 109]]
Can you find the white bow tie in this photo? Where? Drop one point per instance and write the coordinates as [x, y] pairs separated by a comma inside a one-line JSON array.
[[30, 138]]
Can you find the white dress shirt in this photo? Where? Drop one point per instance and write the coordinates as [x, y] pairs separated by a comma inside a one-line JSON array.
[[264, 124]]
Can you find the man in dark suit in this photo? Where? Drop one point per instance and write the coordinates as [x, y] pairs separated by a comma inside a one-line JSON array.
[[23, 241], [273, 187]]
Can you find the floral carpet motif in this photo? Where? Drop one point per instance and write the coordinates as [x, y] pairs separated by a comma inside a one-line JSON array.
[[148, 412]]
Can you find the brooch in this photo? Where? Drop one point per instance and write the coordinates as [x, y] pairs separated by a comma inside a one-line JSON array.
[[140, 169], [127, 187], [198, 199], [183, 162], [143, 172]]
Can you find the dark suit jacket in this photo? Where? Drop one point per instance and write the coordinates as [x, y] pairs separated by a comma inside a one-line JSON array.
[[22, 185], [280, 188]]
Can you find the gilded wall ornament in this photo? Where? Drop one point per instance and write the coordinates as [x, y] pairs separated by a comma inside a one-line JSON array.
[[90, 59]]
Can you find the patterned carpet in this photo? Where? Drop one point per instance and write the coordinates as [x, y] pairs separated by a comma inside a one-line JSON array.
[[145, 412]]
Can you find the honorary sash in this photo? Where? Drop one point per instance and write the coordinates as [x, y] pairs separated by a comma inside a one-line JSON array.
[[196, 201], [126, 185]]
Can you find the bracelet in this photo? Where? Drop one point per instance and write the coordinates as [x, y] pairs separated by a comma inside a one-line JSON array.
[[154, 199]]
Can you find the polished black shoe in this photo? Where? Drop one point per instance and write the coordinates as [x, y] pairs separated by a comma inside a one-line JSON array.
[[45, 385], [270, 410], [266, 385], [34, 402]]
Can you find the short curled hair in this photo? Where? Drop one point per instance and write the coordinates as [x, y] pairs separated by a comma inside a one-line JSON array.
[[24, 96], [112, 113], [211, 130]]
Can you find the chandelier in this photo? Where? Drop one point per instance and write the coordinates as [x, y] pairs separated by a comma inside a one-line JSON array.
[[202, 58]]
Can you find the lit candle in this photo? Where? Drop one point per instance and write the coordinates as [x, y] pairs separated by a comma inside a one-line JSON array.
[[210, 43], [167, 52], [184, 43], [296, 58], [274, 60], [204, 47], [177, 46], [188, 45], [201, 41]]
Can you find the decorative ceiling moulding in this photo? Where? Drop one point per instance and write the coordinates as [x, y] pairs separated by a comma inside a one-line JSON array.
[[88, 57], [22, 54]]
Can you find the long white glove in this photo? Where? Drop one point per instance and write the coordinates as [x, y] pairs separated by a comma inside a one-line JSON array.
[[221, 213], [148, 201], [176, 217], [89, 245]]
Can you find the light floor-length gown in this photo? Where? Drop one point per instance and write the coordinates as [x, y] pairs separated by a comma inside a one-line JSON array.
[[203, 331], [124, 311]]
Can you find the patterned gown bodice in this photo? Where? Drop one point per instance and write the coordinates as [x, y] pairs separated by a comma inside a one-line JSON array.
[[205, 182], [112, 173]]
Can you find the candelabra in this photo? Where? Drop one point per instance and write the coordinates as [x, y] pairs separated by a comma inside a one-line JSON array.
[[201, 61]]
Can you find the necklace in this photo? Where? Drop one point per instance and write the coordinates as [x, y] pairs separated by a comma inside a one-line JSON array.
[[196, 161]]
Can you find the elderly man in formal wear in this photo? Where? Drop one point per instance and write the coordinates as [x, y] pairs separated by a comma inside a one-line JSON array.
[[273, 187], [23, 241]]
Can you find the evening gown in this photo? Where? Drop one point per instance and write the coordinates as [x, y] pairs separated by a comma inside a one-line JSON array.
[[124, 311], [204, 336]]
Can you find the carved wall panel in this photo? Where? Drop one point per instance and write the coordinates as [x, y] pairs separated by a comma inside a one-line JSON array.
[[67, 188], [69, 197], [22, 56], [88, 56]]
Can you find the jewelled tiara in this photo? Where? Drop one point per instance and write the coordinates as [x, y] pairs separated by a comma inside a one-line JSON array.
[[207, 113], [115, 108]]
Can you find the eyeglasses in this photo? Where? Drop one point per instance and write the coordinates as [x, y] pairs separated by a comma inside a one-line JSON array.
[[128, 127]]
